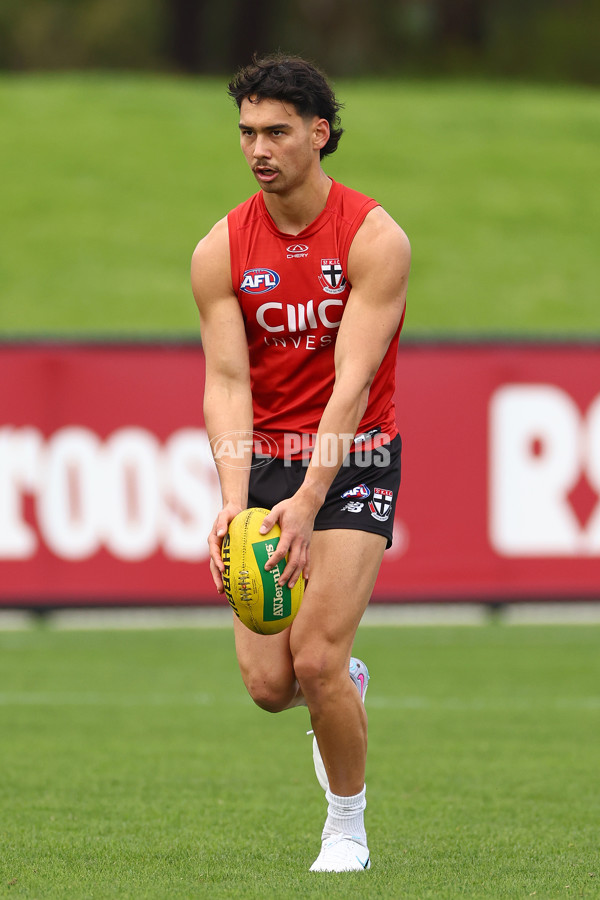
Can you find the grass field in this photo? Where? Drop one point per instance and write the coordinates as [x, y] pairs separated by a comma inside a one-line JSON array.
[[135, 766], [108, 183]]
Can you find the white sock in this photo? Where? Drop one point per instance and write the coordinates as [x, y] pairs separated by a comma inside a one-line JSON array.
[[346, 815]]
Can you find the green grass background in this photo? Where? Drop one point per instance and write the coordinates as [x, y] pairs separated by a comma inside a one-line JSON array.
[[109, 182], [135, 766]]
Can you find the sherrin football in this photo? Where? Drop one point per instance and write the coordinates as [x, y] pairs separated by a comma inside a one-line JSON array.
[[254, 594]]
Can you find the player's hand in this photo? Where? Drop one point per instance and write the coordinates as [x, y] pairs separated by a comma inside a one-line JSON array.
[[215, 540], [296, 519]]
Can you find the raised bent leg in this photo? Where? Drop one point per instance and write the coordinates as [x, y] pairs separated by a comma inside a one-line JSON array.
[[266, 666]]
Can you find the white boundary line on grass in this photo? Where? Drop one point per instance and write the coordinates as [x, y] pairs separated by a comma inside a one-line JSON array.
[[383, 615], [118, 699]]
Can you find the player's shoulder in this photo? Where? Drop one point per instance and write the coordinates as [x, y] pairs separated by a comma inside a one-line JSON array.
[[211, 269], [379, 232], [215, 241]]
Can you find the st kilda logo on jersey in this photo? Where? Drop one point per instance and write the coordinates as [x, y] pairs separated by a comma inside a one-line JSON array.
[[332, 276]]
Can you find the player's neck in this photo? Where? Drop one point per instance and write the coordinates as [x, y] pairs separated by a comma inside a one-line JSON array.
[[294, 212]]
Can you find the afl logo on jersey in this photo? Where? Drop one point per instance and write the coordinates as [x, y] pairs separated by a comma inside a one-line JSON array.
[[259, 281]]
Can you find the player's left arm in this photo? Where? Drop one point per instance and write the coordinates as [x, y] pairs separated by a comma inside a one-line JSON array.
[[378, 268]]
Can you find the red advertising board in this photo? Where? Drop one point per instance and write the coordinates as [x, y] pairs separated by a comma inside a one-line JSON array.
[[108, 489]]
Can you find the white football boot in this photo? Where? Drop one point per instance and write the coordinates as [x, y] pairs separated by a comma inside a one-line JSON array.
[[360, 676], [342, 853]]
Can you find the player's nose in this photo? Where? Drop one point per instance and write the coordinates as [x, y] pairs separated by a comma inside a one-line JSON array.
[[261, 149]]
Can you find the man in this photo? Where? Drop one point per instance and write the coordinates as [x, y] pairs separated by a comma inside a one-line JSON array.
[[301, 292]]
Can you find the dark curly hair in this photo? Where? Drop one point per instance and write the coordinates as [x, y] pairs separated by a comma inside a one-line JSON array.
[[292, 80]]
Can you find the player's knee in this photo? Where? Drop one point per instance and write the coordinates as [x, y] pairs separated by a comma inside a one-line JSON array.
[[268, 696], [314, 671]]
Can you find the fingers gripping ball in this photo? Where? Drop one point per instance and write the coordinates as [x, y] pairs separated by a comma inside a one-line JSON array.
[[254, 594]]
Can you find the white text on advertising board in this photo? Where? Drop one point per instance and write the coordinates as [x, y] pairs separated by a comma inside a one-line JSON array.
[[128, 494], [544, 473]]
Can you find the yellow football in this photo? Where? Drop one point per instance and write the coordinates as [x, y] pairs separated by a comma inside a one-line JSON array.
[[254, 594]]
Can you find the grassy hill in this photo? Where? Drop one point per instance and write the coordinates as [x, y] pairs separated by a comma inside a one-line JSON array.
[[109, 181]]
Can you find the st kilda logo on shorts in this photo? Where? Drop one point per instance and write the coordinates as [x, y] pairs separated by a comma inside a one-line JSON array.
[[381, 504], [332, 276], [259, 281]]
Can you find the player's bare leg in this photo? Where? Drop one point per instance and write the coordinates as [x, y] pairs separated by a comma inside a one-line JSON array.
[[308, 663], [267, 669], [344, 567], [321, 642]]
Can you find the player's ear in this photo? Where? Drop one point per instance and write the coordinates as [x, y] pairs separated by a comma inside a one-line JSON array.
[[321, 132]]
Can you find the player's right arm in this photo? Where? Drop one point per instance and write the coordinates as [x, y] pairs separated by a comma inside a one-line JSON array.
[[227, 395]]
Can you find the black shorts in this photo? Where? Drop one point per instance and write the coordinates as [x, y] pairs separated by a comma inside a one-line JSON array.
[[362, 497]]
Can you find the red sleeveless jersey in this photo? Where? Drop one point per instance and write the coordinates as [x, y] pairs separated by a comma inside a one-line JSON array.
[[292, 290]]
